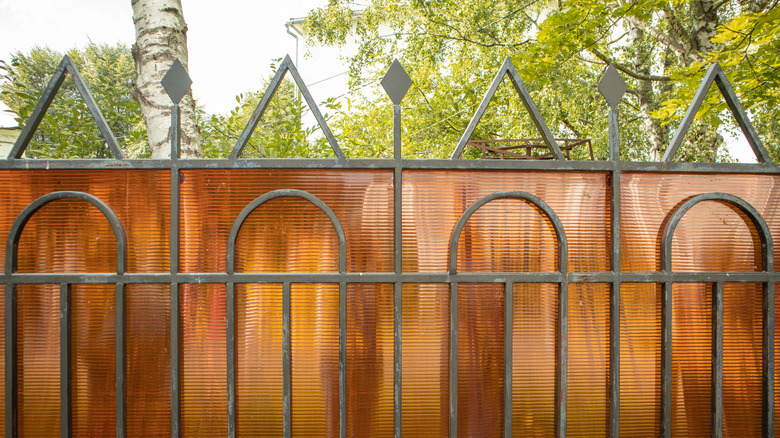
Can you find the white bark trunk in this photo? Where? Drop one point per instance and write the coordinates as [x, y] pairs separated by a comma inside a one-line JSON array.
[[161, 37]]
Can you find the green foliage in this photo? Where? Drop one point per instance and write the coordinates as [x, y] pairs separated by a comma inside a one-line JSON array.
[[68, 130], [452, 50]]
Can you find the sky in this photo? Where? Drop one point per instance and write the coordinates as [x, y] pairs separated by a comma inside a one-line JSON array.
[[230, 45]]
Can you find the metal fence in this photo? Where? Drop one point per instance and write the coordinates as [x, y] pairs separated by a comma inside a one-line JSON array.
[[562, 277]]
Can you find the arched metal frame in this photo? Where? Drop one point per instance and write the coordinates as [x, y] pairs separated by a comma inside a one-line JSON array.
[[509, 280], [286, 314], [768, 309], [11, 356]]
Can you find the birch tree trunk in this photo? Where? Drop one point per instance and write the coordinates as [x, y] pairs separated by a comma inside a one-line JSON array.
[[160, 38]]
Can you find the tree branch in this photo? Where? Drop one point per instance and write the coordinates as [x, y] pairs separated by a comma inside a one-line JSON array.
[[678, 48], [626, 70]]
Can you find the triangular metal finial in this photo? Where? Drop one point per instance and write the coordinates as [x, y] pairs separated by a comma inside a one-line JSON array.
[[508, 69], [716, 74], [176, 82], [286, 65], [396, 82], [65, 66]]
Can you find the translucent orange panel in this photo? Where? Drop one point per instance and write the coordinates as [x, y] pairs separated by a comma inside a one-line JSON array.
[[204, 364], [742, 358], [588, 374], [508, 235], [425, 357], [287, 235], [533, 364], [480, 359], [649, 198], [73, 236], [259, 362], [370, 360], [148, 358], [435, 200], [315, 360], [38, 359], [93, 365], [212, 199], [640, 360]]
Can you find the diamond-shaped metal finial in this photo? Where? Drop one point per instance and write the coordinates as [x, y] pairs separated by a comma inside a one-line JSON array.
[[176, 82], [396, 82], [612, 86]]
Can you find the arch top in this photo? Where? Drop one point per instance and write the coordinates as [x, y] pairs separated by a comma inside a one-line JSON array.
[[535, 201], [765, 236], [285, 193], [12, 244]]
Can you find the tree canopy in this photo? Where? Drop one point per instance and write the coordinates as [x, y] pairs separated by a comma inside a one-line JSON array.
[[662, 48]]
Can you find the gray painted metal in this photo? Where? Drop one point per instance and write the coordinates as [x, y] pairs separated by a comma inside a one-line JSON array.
[[176, 82], [10, 278], [612, 86], [65, 66], [396, 82]]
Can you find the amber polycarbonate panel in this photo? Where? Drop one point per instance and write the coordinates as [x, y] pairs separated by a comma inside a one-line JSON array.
[[204, 364], [38, 365], [480, 359], [777, 363], [287, 235], [742, 357], [640, 360], [93, 364], [425, 356], [691, 359], [73, 236], [148, 360], [259, 362], [370, 360], [714, 238], [212, 199], [508, 235], [2, 354], [434, 200], [534, 333], [588, 373], [315, 359]]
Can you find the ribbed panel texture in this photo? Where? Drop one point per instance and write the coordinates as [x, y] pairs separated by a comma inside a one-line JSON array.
[[370, 360], [315, 360], [38, 359], [640, 360], [148, 359], [425, 358], [588, 376], [434, 201], [204, 366], [533, 368], [259, 362], [480, 359], [286, 234], [93, 365]]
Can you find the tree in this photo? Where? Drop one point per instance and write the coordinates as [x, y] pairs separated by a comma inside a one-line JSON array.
[[662, 48], [161, 38], [68, 130]]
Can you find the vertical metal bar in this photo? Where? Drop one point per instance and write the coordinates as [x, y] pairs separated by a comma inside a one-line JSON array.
[[11, 407], [398, 269], [717, 361], [343, 360], [286, 362], [397, 358], [175, 360], [453, 360], [666, 359], [768, 380], [614, 292], [231, 358], [563, 359], [508, 355], [174, 296], [121, 368], [65, 369]]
